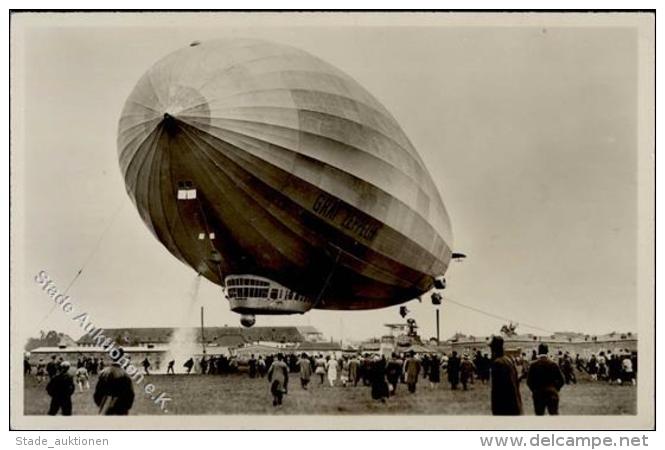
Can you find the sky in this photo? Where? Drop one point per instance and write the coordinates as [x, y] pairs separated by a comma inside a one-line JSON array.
[[529, 132]]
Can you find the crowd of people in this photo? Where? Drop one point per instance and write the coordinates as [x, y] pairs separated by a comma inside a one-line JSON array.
[[544, 374]]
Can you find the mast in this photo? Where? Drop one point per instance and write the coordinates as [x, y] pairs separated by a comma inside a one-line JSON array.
[[203, 338]]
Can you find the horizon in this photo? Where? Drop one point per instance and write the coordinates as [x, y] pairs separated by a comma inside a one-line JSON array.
[[366, 339]]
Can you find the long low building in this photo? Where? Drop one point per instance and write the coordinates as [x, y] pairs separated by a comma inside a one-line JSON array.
[[573, 343], [160, 343]]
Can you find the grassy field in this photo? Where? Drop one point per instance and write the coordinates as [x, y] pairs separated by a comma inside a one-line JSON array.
[[238, 394]]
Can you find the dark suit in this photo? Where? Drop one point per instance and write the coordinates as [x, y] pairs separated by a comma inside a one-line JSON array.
[[61, 388], [545, 380], [453, 371], [506, 398]]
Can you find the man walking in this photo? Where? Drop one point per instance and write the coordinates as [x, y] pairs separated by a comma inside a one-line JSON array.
[[506, 398], [567, 369], [411, 371], [453, 370], [60, 388], [393, 373], [545, 381], [354, 365], [278, 377], [189, 364], [378, 378], [466, 372], [305, 368], [434, 371], [146, 365], [320, 370]]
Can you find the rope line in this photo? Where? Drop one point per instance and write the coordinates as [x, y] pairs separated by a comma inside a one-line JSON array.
[[496, 316], [88, 259], [328, 278]]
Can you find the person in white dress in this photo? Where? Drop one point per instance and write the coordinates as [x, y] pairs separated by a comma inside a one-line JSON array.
[[331, 367], [82, 378]]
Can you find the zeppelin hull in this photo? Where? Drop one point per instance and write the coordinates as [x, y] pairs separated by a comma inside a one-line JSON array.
[[321, 193]]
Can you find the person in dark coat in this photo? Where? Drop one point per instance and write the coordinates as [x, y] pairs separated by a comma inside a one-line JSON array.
[[477, 362], [365, 372], [252, 366], [293, 363], [305, 367], [602, 366], [453, 370], [579, 363], [411, 371], [394, 372], [592, 367], [425, 364], [466, 372], [114, 393], [52, 367], [261, 367], [60, 388], [354, 367], [378, 379], [545, 381], [189, 364], [567, 369], [94, 365], [614, 367], [506, 398], [483, 369], [146, 366], [434, 371]]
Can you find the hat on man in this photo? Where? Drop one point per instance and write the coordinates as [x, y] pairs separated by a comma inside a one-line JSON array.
[[543, 349]]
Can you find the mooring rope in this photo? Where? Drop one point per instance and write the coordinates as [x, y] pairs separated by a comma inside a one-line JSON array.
[[496, 316], [90, 256]]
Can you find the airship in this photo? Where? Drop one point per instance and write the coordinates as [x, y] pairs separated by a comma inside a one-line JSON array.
[[277, 176]]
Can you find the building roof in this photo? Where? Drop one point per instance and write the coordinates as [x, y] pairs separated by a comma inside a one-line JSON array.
[[370, 346], [417, 348], [257, 350], [230, 340], [223, 336], [78, 350], [308, 329], [319, 346]]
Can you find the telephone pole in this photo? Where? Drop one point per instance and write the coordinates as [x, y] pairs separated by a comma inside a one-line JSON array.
[[203, 337]]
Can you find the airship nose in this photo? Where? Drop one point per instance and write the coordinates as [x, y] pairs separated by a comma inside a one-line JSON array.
[[179, 102], [170, 124]]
